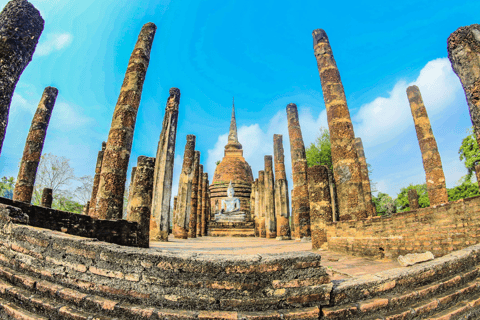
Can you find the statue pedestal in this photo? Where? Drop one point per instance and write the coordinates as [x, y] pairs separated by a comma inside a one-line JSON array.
[[238, 216]]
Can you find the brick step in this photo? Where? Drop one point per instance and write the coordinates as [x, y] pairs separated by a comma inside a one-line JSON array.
[[13, 311], [426, 299]]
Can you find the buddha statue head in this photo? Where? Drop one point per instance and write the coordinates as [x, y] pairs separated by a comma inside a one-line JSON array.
[[230, 191]]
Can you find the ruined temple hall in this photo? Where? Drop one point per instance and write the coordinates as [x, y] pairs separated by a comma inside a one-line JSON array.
[[230, 191]]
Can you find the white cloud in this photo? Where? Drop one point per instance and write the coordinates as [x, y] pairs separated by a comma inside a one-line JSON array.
[[54, 42]]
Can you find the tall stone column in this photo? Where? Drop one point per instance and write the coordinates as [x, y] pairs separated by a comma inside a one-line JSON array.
[[320, 204], [20, 28], [119, 144], [300, 202], [192, 224], [252, 207], [199, 201], [257, 210], [367, 191], [139, 206], [463, 48], [47, 198], [96, 181], [261, 204], [130, 190], [282, 205], [162, 188], [33, 147], [413, 199], [182, 213], [346, 167], [270, 222], [333, 194], [204, 203], [436, 187]]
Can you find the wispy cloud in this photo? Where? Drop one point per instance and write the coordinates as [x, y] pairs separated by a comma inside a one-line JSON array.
[[54, 42]]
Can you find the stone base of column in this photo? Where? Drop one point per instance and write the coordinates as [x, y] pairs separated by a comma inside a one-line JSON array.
[[262, 230], [283, 228], [271, 235], [180, 233], [257, 228], [319, 238]]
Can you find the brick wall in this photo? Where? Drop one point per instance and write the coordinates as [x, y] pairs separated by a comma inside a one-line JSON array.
[[440, 229]]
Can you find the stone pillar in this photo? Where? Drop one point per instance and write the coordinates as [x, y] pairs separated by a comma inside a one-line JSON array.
[[139, 206], [346, 166], [270, 222], [257, 210], [333, 194], [300, 202], [119, 144], [477, 173], [292, 223], [85, 208], [174, 209], [192, 225], [320, 204], [162, 188], [96, 181], [261, 204], [130, 190], [181, 215], [282, 205], [204, 204], [33, 147], [463, 48], [20, 28], [252, 207], [413, 199], [199, 201], [367, 191], [436, 187], [47, 198]]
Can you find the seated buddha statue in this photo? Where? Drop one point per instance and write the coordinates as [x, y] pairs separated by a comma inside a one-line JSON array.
[[230, 208]]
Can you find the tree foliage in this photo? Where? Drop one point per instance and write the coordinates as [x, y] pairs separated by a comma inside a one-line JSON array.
[[6, 187], [402, 202], [466, 190], [384, 204], [320, 152], [469, 153]]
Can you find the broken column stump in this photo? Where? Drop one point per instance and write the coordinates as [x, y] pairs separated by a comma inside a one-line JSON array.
[[261, 205], [204, 204], [162, 188], [181, 215], [282, 205], [367, 191], [436, 186], [33, 147], [300, 202], [413, 199], [320, 204], [47, 198], [20, 28], [463, 48], [199, 201], [346, 166], [270, 222], [96, 181], [119, 144], [139, 206]]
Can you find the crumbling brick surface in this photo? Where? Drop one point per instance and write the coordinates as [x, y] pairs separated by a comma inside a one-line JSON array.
[[413, 199], [367, 191], [320, 204], [47, 198], [346, 166]]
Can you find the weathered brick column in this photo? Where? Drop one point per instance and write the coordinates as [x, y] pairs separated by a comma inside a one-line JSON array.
[[270, 222], [181, 215], [162, 188], [413, 199], [300, 202], [199, 201], [47, 198], [204, 203], [86, 207], [96, 181], [20, 28], [139, 206], [346, 166], [477, 173], [261, 205], [256, 217], [436, 187], [33, 147], [252, 207], [130, 190], [320, 204], [119, 144], [333, 194], [367, 191], [192, 224], [282, 205], [463, 48]]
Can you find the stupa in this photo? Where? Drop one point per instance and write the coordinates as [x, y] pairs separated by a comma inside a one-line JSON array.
[[231, 184]]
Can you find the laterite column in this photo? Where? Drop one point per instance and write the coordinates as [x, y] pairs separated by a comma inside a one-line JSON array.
[[204, 203], [436, 187], [257, 210], [162, 187], [119, 144], [413, 199], [33, 147], [300, 202], [367, 191], [192, 224], [47, 198], [261, 204], [282, 205], [346, 166], [139, 206], [181, 215], [270, 222], [20, 28], [199, 201], [96, 180]]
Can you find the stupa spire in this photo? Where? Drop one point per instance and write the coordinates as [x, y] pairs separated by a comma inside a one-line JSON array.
[[232, 134]]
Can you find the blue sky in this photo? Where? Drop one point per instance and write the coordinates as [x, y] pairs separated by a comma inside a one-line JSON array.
[[259, 52]]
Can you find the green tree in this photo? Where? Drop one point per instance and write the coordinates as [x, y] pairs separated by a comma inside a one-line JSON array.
[[6, 187], [66, 203], [469, 153], [384, 204], [402, 199], [466, 190], [320, 152]]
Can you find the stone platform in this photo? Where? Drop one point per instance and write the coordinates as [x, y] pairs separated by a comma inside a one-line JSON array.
[[231, 229]]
